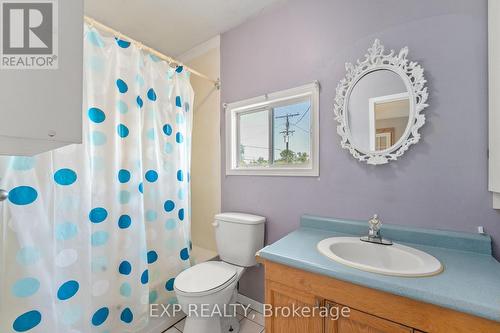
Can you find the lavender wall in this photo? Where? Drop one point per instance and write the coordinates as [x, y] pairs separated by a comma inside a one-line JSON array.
[[440, 183]]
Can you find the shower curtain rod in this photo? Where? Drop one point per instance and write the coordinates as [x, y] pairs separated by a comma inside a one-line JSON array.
[[171, 61]]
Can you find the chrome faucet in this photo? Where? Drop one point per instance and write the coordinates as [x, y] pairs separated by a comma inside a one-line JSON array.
[[374, 234]]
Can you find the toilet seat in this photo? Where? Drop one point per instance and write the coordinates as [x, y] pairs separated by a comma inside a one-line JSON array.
[[205, 278]]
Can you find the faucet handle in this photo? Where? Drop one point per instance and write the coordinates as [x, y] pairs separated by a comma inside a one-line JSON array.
[[375, 223]]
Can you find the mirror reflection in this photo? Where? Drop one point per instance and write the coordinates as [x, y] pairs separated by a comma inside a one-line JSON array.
[[378, 110]]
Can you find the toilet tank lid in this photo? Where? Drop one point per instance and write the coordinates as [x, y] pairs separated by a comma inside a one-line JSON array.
[[240, 218]]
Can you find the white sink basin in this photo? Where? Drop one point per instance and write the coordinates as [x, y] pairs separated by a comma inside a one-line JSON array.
[[395, 260]]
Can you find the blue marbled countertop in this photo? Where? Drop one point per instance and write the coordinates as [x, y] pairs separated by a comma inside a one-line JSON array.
[[470, 281]]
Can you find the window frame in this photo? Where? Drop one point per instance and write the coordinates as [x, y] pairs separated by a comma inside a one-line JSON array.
[[268, 102]]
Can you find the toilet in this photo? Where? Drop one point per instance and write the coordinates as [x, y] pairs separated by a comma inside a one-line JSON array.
[[210, 287]]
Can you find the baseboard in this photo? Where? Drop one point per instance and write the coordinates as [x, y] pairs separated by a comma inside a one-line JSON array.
[[254, 305]]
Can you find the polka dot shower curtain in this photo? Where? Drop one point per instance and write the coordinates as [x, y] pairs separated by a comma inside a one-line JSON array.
[[92, 233]]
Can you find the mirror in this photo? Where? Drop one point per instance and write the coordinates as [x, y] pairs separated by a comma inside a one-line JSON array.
[[378, 105], [378, 111]]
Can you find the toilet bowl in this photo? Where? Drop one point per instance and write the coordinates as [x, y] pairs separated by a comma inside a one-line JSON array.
[[207, 292]]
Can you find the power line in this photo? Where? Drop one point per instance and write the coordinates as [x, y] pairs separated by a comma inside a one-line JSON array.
[[302, 117], [259, 147], [302, 129]]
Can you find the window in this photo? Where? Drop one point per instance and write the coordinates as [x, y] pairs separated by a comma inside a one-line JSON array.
[[275, 134]]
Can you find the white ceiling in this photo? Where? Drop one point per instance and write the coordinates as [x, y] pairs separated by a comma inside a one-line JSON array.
[[174, 26]]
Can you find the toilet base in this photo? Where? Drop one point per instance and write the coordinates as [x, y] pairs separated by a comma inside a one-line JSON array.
[[230, 325], [211, 325]]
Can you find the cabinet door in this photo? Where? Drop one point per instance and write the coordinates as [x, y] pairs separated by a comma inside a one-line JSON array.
[[282, 297], [360, 322]]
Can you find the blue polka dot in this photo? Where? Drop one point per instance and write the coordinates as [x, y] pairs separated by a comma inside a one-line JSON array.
[[150, 134], [139, 80], [151, 176], [71, 313], [28, 256], [99, 238], [186, 107], [99, 264], [124, 197], [145, 277], [180, 175], [25, 287], [22, 163], [95, 63], [170, 73], [96, 115], [181, 214], [178, 101], [27, 321], [169, 206], [67, 290], [141, 188], [139, 101], [127, 316], [179, 69], [122, 43], [169, 148], [123, 176], [65, 231], [179, 118], [125, 268], [125, 289], [167, 129], [122, 131], [154, 58], [151, 215], [153, 296], [97, 138], [178, 137], [22, 195], [170, 224], [152, 95], [65, 177], [170, 284], [152, 257], [122, 86], [184, 254], [97, 215], [188, 177], [122, 107], [94, 38], [124, 221], [100, 316]]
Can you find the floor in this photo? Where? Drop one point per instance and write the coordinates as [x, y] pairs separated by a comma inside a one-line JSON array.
[[252, 323]]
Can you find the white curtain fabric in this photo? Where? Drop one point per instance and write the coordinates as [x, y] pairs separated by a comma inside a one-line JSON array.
[[92, 233]]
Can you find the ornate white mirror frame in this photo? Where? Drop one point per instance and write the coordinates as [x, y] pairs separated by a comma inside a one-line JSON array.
[[413, 76]]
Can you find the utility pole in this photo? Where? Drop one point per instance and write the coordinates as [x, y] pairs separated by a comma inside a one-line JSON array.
[[287, 132]]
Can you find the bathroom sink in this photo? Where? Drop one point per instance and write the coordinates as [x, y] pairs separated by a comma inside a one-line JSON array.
[[395, 260]]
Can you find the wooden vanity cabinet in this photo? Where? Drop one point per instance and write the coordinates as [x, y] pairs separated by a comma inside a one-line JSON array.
[[360, 322], [280, 296], [371, 311]]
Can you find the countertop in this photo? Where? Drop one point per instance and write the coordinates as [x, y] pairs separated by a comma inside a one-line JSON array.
[[470, 281]]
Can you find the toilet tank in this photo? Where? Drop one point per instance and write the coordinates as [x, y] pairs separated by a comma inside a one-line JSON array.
[[239, 236]]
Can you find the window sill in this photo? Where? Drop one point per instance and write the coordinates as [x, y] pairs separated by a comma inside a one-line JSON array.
[[279, 172]]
